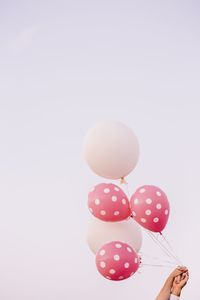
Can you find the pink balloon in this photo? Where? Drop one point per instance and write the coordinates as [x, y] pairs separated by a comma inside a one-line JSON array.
[[150, 208], [117, 261], [108, 202]]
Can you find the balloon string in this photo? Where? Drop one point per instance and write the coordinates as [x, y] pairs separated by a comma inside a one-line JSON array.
[[155, 241], [128, 193], [166, 240], [169, 251], [162, 247], [154, 265], [123, 181], [170, 246], [156, 258]]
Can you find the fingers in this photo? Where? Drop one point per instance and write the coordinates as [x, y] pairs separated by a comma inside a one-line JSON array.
[[181, 280], [177, 279], [178, 271], [182, 268], [185, 278]]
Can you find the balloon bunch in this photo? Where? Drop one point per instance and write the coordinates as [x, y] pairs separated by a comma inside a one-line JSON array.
[[112, 151]]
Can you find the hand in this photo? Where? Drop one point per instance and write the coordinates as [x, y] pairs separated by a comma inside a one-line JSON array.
[[178, 271], [179, 282], [167, 288]]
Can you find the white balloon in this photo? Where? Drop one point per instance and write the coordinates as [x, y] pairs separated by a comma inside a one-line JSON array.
[[100, 233], [111, 149]]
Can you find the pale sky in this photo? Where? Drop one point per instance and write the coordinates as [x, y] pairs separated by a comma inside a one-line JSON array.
[[65, 65]]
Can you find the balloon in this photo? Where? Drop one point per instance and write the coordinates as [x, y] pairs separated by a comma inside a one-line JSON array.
[[117, 261], [100, 233], [108, 202], [111, 149], [150, 208]]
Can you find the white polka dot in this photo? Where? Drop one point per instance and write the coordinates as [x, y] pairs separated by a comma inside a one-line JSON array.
[[103, 212], [142, 191], [123, 201], [121, 277], [148, 200], [118, 246], [158, 193], [126, 265], [92, 189], [116, 189], [114, 198], [106, 191], [116, 257], [102, 252], [155, 220], [116, 213], [112, 271], [102, 264], [108, 277], [129, 249], [166, 211], [134, 213], [158, 206], [143, 220], [97, 201], [91, 210], [136, 201], [148, 212], [136, 260]]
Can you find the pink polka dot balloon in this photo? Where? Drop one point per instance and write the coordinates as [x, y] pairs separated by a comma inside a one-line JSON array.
[[108, 202], [117, 261], [150, 208]]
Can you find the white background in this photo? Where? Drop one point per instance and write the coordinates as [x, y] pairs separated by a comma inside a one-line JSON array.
[[64, 65]]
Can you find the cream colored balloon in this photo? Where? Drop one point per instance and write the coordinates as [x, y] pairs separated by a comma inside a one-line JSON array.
[[100, 232], [111, 149]]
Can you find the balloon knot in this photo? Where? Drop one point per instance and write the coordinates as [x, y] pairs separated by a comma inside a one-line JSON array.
[[123, 181]]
